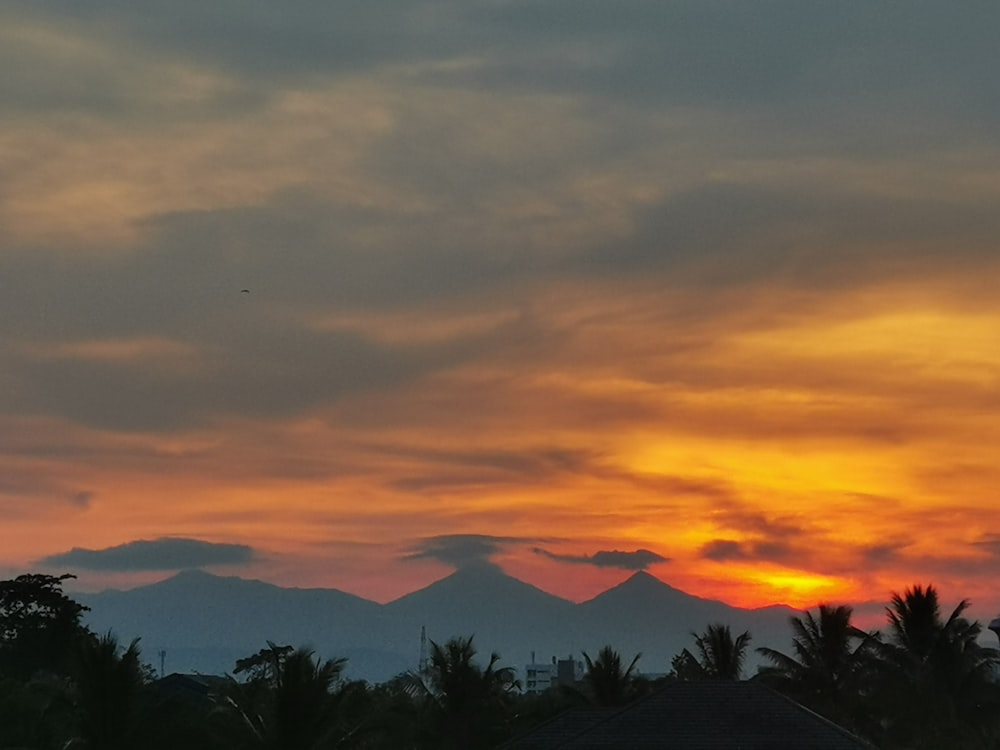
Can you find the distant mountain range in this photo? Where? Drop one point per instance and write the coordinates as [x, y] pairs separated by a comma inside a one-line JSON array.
[[204, 623]]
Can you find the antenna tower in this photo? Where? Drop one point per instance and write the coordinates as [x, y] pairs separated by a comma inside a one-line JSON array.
[[422, 666]]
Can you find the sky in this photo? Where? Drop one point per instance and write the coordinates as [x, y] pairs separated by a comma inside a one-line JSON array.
[[351, 294]]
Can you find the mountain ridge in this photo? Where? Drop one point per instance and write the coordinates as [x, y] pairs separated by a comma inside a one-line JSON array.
[[204, 621]]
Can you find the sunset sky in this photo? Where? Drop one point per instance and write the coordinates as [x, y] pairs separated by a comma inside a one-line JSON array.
[[710, 284]]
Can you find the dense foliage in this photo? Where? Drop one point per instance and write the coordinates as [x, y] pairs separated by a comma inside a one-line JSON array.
[[925, 682]]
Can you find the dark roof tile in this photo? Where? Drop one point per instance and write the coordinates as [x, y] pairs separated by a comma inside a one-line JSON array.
[[705, 715]]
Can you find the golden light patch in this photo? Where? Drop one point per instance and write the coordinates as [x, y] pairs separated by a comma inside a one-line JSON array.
[[951, 345], [795, 588], [788, 468]]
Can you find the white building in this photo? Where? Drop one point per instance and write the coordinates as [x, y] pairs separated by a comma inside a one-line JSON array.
[[540, 676]]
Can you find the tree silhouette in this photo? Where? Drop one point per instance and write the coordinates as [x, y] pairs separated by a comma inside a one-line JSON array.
[[466, 704], [826, 669], [39, 625], [107, 686], [264, 666], [935, 679], [36, 714], [291, 701], [607, 681], [720, 657]]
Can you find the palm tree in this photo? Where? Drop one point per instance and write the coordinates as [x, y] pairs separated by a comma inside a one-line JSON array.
[[292, 701], [107, 685], [608, 682], [936, 679], [827, 663], [305, 703], [720, 657], [466, 704]]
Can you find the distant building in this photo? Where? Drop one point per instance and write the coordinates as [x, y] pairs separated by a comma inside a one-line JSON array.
[[540, 676]]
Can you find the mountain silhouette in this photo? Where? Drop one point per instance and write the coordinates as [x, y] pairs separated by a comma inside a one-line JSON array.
[[658, 620], [205, 622], [503, 613]]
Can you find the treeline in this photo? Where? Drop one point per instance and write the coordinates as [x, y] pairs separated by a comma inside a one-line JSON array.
[[925, 682]]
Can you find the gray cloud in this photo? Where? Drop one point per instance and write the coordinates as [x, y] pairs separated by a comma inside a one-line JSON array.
[[461, 550], [167, 553], [990, 543], [724, 549], [640, 559], [728, 549], [253, 377], [82, 499], [880, 554], [727, 54], [803, 230]]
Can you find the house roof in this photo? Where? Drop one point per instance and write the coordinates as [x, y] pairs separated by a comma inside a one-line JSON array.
[[192, 688], [700, 715]]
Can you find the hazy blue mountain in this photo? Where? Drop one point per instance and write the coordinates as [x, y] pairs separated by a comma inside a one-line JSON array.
[[503, 613], [658, 620], [206, 622]]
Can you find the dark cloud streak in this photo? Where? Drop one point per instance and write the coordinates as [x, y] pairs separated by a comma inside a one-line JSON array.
[[640, 559], [721, 550], [461, 550], [166, 553]]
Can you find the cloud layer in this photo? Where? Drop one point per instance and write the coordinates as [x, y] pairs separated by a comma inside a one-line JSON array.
[[707, 278], [154, 554]]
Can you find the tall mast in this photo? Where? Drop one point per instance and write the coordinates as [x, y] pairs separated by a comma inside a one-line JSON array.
[[422, 667]]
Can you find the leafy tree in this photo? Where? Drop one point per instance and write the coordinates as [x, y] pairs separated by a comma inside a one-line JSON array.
[[39, 625], [466, 705], [607, 681], [264, 666], [720, 656]]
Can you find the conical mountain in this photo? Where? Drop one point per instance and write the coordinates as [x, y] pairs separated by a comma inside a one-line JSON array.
[[504, 614], [644, 614], [644, 597]]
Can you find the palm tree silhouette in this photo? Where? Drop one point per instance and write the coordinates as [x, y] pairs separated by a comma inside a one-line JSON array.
[[465, 704], [825, 671], [291, 701], [936, 679], [720, 656], [608, 682], [107, 686]]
